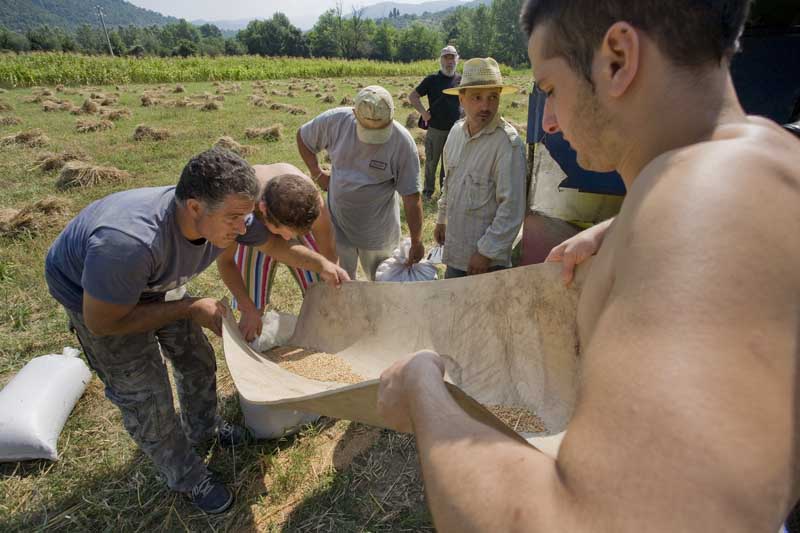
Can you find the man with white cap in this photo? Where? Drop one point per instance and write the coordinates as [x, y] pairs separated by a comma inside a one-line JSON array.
[[374, 158], [442, 112], [483, 202]]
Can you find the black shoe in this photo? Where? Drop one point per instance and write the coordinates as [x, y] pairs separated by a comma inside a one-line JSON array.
[[230, 435], [211, 496]]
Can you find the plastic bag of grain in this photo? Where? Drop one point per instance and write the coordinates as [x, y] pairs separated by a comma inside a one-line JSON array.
[[396, 269], [35, 404], [276, 330]]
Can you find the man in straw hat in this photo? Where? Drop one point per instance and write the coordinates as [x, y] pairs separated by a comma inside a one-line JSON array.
[[443, 111], [688, 318], [374, 158], [483, 203]]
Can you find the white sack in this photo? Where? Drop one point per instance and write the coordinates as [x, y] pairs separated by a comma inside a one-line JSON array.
[[395, 268], [276, 330], [435, 255], [35, 404]]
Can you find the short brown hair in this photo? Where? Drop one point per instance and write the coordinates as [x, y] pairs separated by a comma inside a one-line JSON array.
[[292, 201], [690, 32]]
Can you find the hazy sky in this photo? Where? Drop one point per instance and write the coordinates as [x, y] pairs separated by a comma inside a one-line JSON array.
[[302, 13]]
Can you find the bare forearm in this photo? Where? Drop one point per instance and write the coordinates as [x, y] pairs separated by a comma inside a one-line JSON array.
[[412, 204], [477, 479], [143, 318], [232, 279], [308, 157], [416, 101]]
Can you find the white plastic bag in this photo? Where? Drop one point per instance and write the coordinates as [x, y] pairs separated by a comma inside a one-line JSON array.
[[276, 330], [395, 268], [35, 404], [435, 255]]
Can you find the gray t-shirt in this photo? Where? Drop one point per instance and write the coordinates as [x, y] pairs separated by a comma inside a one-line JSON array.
[[127, 248], [365, 179]]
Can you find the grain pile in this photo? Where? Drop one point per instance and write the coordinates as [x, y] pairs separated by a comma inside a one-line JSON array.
[[519, 419], [31, 139], [82, 174], [87, 126], [309, 364], [272, 133]]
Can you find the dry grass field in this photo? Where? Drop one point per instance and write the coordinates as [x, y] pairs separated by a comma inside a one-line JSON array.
[[63, 147]]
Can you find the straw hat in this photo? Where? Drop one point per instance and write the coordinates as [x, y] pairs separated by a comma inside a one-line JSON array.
[[374, 111], [481, 73]]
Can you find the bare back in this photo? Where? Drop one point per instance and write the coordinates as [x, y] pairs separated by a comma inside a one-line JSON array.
[[689, 323]]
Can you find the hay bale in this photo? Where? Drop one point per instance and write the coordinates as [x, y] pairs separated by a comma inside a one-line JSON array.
[[116, 114], [328, 99], [6, 106], [48, 106], [75, 110], [90, 106], [411, 120], [59, 88], [31, 139], [82, 174], [149, 100], [87, 126], [65, 105], [277, 106], [55, 161], [296, 110], [211, 106], [230, 144], [97, 96], [33, 217], [347, 101], [109, 100], [179, 89], [273, 133], [259, 101], [10, 121], [143, 132]]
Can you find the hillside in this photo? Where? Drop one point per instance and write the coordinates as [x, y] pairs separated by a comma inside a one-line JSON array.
[[428, 17], [22, 15]]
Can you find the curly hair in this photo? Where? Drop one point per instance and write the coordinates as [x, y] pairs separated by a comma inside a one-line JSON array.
[[211, 176], [292, 201]]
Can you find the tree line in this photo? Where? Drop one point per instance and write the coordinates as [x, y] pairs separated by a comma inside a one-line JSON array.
[[477, 32]]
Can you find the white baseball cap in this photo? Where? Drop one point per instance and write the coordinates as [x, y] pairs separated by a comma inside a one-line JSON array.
[[374, 110], [449, 50]]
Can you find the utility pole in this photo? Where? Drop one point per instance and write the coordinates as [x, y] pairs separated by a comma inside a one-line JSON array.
[[103, 22]]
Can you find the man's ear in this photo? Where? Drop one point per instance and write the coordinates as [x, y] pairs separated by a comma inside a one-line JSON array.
[[619, 58], [262, 207], [194, 207]]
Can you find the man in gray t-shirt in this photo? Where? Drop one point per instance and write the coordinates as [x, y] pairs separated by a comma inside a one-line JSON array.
[[374, 158], [110, 269]]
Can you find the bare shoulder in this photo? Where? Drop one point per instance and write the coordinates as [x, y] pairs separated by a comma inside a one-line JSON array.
[[264, 173], [687, 379]]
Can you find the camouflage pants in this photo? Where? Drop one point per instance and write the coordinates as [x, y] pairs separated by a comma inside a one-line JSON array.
[[135, 378]]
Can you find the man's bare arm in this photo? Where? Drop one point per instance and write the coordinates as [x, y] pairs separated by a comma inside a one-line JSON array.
[[416, 101], [103, 318], [324, 233], [412, 205], [310, 159]]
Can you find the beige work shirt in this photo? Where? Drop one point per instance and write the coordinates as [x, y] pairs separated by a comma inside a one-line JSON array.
[[483, 202]]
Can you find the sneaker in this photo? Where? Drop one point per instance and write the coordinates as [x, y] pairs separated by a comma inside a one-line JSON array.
[[230, 435], [211, 496]]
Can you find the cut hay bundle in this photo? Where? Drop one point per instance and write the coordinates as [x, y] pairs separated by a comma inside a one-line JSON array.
[[347, 101], [90, 106], [45, 92], [179, 89], [229, 143], [272, 134], [515, 104], [109, 100], [116, 114], [50, 161], [421, 152], [49, 106], [75, 110], [211, 106], [258, 101], [65, 105], [318, 95], [277, 106], [5, 106], [218, 98], [290, 94], [143, 132], [183, 102], [10, 121], [32, 218], [406, 103], [402, 95], [88, 126], [59, 88], [82, 174], [292, 87], [97, 96], [296, 110], [411, 120], [419, 136], [273, 92], [31, 139], [328, 99], [149, 100]]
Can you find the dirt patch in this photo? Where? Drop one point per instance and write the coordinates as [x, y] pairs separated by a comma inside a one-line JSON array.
[[320, 366], [82, 174]]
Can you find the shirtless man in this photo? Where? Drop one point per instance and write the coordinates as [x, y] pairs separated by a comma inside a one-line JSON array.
[[689, 317], [290, 208]]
